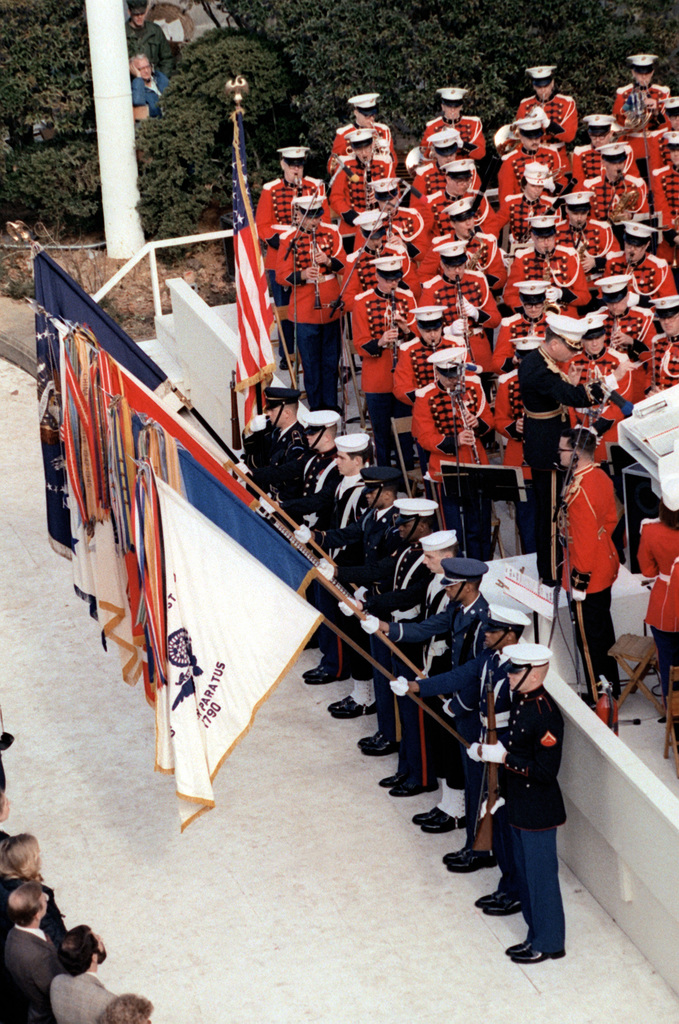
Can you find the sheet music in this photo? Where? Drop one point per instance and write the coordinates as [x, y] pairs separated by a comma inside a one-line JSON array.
[[528, 591], [660, 430]]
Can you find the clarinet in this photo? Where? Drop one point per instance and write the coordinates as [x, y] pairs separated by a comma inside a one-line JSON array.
[[314, 264], [456, 398]]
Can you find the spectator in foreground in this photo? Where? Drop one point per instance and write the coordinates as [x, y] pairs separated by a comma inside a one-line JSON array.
[[4, 813], [147, 87], [127, 1009], [30, 956], [19, 863], [78, 996]]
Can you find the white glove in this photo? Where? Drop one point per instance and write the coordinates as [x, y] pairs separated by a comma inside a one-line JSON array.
[[370, 624], [539, 115], [258, 423], [469, 310], [448, 708], [346, 609], [360, 593], [552, 293], [266, 507], [473, 752], [399, 686], [500, 802], [493, 752], [242, 466], [611, 382], [578, 595], [303, 534], [326, 569]]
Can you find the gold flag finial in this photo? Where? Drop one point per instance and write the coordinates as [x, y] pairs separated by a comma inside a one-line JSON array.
[[236, 88]]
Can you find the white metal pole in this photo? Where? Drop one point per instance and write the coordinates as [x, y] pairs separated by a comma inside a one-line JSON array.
[[115, 127]]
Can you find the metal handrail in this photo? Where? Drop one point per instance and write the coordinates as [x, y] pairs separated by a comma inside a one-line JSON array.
[[149, 249]]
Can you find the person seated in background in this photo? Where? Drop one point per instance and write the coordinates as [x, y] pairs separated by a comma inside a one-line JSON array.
[[146, 37], [148, 85], [78, 997]]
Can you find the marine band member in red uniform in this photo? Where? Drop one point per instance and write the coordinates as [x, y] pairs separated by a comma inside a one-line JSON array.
[[413, 370], [465, 293], [591, 239], [651, 275], [364, 112], [528, 321], [587, 159], [532, 149], [359, 270], [382, 320], [628, 326], [309, 263], [617, 195], [662, 368], [274, 211], [544, 259], [533, 201], [560, 111], [658, 552], [657, 140], [431, 177], [403, 223], [639, 97], [587, 518], [470, 128], [348, 198], [459, 178], [665, 185]]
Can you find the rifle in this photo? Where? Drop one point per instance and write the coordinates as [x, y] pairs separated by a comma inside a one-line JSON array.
[[483, 840]]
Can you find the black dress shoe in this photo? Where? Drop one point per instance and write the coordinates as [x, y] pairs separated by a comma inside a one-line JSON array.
[[6, 741], [532, 956], [471, 862], [419, 819], [443, 823], [450, 858], [412, 788], [520, 947], [348, 708], [368, 741], [484, 901], [312, 672], [319, 678], [380, 749], [392, 780], [503, 906]]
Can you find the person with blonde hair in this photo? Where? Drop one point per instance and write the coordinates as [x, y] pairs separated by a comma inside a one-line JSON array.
[[20, 862], [127, 1009]]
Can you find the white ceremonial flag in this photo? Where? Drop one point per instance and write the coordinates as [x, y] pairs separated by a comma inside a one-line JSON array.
[[233, 631]]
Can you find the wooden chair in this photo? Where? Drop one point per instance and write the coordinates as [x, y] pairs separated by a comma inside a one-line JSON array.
[[636, 657], [673, 718], [412, 478]]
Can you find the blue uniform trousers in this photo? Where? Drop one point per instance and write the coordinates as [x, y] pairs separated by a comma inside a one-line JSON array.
[[415, 755], [319, 349], [381, 408], [667, 646], [538, 874], [384, 697]]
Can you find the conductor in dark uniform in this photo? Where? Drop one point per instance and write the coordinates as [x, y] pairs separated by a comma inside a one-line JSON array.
[[546, 393], [531, 755]]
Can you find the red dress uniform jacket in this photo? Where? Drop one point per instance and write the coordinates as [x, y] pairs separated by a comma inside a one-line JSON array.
[[413, 372], [511, 172], [658, 120], [371, 315], [597, 236], [348, 198], [471, 130], [587, 164], [658, 149], [516, 211], [658, 551], [662, 367], [438, 223], [565, 272], [595, 369], [607, 196], [665, 185], [650, 279], [364, 277], [590, 519], [436, 418], [512, 328], [340, 144], [437, 291], [275, 208], [481, 247], [560, 110], [508, 412], [430, 179], [291, 264]]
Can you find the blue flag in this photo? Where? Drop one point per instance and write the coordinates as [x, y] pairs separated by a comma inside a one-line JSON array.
[[243, 525]]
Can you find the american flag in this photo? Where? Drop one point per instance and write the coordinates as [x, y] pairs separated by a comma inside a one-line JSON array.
[[255, 317]]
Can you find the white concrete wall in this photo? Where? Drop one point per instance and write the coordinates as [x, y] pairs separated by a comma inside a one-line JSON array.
[[622, 835]]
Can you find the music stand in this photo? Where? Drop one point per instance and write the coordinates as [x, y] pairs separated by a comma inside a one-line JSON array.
[[467, 481]]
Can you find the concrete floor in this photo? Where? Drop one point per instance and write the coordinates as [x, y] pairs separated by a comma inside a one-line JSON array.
[[307, 894]]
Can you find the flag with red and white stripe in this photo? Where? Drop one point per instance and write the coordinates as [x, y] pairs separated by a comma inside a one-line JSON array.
[[255, 316]]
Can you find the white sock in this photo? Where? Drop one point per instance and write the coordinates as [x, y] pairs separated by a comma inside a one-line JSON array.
[[363, 692], [452, 801]]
